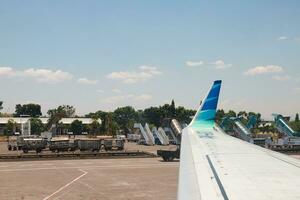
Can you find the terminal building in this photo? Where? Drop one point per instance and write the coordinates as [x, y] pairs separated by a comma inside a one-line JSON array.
[[23, 123]]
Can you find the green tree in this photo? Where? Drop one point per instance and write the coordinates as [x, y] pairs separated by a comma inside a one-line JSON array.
[[55, 115], [230, 113], [184, 115], [63, 111], [69, 110], [97, 115], [36, 126], [33, 110], [76, 127], [219, 115], [10, 128], [267, 129], [152, 115], [242, 113], [1, 105], [165, 111], [94, 127], [123, 116], [111, 127], [297, 118], [61, 128], [141, 117], [173, 109]]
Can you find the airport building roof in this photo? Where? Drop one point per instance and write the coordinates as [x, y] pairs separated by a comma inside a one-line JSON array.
[[20, 120]]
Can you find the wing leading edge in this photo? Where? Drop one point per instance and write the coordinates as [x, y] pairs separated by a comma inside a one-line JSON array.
[[201, 125], [214, 165]]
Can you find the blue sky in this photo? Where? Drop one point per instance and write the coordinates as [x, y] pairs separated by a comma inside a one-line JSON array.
[[104, 54]]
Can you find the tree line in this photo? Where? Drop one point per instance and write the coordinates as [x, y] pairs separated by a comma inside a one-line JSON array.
[[122, 118]]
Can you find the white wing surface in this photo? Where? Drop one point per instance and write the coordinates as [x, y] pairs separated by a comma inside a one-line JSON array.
[[214, 165]]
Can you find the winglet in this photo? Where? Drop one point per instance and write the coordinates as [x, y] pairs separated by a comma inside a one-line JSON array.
[[205, 116]]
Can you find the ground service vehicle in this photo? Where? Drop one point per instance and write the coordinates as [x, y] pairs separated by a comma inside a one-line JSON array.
[[89, 144], [169, 155], [36, 144], [112, 144], [65, 144]]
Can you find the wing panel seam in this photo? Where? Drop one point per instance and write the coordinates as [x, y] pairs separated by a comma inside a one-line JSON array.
[[221, 187]]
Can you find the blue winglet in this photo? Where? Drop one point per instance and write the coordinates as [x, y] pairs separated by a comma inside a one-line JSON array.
[[205, 116]]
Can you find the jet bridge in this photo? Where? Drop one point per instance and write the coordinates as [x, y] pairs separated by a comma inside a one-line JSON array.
[[282, 126], [171, 135], [145, 137], [177, 130], [163, 140], [251, 122], [149, 135], [243, 132], [164, 135], [229, 124]]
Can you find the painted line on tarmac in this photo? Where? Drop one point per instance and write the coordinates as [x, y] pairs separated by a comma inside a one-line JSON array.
[[88, 163], [26, 165], [68, 163], [67, 185], [90, 167]]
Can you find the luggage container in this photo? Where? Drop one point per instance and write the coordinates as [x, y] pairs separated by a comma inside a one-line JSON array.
[[64, 144], [89, 144], [28, 143], [112, 144]]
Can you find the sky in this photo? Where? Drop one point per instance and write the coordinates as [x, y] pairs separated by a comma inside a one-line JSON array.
[[100, 55]]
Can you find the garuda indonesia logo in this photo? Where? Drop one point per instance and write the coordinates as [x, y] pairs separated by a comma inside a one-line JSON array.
[[205, 134]]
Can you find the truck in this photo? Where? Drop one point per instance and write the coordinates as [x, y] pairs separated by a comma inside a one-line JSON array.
[[169, 155]]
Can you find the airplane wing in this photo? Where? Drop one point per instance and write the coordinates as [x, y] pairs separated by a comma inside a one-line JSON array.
[[214, 165]]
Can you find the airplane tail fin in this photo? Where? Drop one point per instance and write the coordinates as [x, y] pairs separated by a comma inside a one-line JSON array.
[[205, 116]]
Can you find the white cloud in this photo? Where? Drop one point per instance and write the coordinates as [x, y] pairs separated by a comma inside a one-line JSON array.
[[87, 81], [40, 75], [220, 64], [47, 75], [143, 74], [281, 78], [282, 38], [7, 71], [194, 63], [130, 97], [268, 69], [116, 91], [143, 97], [150, 69], [100, 91]]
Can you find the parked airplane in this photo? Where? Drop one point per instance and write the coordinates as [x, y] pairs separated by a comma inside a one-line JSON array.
[[214, 165]]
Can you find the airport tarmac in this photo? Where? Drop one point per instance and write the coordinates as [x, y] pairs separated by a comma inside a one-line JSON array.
[[134, 179]]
